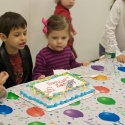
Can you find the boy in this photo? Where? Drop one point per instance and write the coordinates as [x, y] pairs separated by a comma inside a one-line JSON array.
[[15, 57]]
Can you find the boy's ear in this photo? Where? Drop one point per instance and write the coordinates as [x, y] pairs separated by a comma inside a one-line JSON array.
[[3, 37]]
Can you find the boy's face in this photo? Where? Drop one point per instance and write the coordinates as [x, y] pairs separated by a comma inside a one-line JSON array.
[[16, 40], [68, 3], [58, 39]]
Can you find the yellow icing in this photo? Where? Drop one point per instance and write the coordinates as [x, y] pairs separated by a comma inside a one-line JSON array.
[[49, 78]]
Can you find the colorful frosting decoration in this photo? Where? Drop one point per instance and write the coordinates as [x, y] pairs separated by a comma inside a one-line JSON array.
[[57, 90]]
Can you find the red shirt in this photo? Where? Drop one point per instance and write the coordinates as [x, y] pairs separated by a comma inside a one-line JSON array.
[[16, 62], [61, 10]]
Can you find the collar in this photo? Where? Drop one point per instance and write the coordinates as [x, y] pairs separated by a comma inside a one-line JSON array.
[[60, 5], [7, 63]]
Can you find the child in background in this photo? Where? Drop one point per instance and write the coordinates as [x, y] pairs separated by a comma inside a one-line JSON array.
[[62, 8], [15, 57], [115, 30], [57, 55], [3, 77]]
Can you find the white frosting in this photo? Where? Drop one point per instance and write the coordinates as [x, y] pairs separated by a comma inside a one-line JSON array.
[[57, 84]]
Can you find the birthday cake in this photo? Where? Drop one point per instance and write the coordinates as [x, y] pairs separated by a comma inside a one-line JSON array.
[[57, 91]]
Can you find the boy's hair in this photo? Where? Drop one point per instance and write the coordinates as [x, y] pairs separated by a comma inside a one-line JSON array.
[[11, 20], [57, 23]]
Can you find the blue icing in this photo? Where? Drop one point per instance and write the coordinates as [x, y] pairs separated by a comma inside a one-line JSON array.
[[40, 102], [50, 106], [34, 99], [87, 84], [55, 105], [27, 85], [61, 102], [55, 94], [30, 97], [66, 101], [49, 98], [72, 98], [21, 92], [69, 90], [76, 96], [59, 93], [81, 94], [44, 104]]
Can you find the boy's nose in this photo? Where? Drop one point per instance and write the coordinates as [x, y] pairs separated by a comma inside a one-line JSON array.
[[22, 37], [71, 1]]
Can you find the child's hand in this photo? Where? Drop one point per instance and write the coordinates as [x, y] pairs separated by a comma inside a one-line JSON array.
[[41, 77], [121, 58], [74, 32], [3, 77], [2, 91], [85, 63], [101, 59]]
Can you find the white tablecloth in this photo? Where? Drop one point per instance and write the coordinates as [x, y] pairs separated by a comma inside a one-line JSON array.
[[107, 108]]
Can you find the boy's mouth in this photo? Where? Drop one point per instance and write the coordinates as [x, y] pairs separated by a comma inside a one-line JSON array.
[[22, 44]]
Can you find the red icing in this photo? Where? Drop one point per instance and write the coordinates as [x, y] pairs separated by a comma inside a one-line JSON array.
[[102, 89], [35, 112], [49, 90], [58, 82]]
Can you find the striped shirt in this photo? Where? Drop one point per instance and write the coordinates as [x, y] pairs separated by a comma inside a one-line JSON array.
[[48, 60]]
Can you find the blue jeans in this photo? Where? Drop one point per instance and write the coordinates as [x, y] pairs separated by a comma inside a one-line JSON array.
[[101, 50]]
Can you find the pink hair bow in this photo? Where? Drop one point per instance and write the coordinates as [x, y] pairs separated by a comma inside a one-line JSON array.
[[44, 21]]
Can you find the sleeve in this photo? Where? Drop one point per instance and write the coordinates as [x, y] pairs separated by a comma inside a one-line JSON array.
[[40, 66], [111, 24], [73, 62]]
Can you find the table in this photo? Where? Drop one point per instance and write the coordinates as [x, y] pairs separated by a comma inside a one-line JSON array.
[[106, 108]]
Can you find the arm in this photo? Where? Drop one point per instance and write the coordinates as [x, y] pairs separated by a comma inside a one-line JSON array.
[[40, 66], [73, 63], [111, 25], [2, 91], [3, 77]]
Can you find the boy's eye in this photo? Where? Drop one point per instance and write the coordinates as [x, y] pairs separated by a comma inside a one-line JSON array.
[[16, 35], [25, 34], [63, 38]]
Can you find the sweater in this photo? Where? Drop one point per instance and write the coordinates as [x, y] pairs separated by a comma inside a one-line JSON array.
[[48, 60]]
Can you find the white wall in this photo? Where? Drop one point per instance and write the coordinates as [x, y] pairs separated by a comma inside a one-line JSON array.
[[89, 17], [20, 6]]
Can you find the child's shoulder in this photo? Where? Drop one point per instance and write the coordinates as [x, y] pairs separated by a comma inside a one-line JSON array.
[[43, 51]]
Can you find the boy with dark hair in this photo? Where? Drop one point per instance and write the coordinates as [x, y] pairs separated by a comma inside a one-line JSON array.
[[15, 57]]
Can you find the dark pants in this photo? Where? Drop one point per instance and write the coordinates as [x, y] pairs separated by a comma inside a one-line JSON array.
[[101, 50]]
